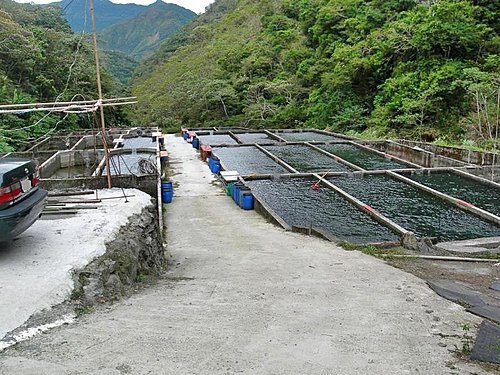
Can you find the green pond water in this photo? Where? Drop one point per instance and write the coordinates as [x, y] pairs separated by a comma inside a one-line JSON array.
[[128, 164], [415, 210], [139, 142], [307, 137], [298, 204], [362, 158], [217, 139], [306, 159], [247, 160], [258, 138], [481, 195]]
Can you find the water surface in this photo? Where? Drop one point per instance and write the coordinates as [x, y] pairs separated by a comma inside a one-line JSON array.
[[139, 142], [258, 138], [415, 210], [247, 160], [217, 139], [299, 205], [307, 137], [306, 159], [481, 195], [361, 157]]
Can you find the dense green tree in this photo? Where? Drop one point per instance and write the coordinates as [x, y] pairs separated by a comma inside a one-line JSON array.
[[399, 68], [42, 60]]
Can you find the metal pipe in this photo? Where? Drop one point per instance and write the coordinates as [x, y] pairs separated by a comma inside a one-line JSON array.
[[366, 208], [465, 206]]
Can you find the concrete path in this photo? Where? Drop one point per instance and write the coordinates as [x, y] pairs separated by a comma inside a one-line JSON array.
[[243, 296]]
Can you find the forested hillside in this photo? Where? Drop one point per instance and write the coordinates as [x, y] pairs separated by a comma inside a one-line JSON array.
[[425, 70], [144, 33], [106, 13], [126, 32], [42, 60]]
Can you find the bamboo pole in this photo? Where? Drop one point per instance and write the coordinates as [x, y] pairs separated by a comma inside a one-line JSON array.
[[48, 104], [438, 257], [99, 91]]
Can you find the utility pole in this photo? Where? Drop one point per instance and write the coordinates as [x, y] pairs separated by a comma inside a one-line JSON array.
[[99, 91]]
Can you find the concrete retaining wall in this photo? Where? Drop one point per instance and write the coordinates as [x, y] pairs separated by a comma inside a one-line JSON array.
[[39, 156], [416, 155], [461, 154], [136, 252]]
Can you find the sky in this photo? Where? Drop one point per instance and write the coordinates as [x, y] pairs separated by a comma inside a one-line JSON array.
[[197, 6]]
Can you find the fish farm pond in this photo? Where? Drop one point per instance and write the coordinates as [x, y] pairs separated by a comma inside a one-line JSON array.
[[358, 199]]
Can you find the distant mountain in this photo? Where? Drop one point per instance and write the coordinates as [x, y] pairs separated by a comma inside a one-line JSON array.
[[106, 13], [143, 34]]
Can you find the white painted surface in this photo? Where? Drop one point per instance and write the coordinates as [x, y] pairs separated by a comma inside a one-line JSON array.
[[35, 269]]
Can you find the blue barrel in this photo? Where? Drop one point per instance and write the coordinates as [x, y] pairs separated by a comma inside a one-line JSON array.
[[243, 190], [236, 191], [185, 136], [167, 192], [247, 201], [214, 164], [216, 167], [209, 161], [195, 142]]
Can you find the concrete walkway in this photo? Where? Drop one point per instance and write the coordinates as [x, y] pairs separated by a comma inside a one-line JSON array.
[[243, 296]]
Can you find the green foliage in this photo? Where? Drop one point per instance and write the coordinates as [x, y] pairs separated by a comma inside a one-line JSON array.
[[400, 68], [467, 341], [143, 34], [37, 53]]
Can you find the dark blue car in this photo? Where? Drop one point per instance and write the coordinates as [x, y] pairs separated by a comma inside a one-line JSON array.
[[21, 200]]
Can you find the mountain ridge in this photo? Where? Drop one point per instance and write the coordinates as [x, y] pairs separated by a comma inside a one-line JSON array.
[[143, 34]]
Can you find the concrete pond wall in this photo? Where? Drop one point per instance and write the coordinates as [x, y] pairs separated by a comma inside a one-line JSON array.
[[460, 154], [77, 163]]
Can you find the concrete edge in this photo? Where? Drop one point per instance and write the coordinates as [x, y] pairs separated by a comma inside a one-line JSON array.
[[335, 157], [386, 155], [277, 159], [396, 228]]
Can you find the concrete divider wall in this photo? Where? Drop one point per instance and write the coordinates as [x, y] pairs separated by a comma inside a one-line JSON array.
[[64, 159], [147, 184], [39, 156], [461, 154]]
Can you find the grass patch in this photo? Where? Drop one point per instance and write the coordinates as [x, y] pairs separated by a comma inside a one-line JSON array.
[[84, 310], [372, 250], [488, 255]]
